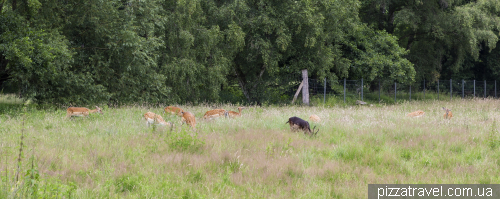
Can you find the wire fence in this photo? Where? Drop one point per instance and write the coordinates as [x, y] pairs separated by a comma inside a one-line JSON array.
[[393, 92]]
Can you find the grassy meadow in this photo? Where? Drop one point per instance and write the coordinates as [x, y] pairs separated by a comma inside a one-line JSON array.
[[116, 155]]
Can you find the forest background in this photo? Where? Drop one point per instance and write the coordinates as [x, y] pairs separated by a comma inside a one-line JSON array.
[[238, 51]]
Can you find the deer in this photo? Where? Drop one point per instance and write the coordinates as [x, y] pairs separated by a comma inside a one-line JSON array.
[[212, 114], [173, 110], [314, 118], [189, 119], [81, 111], [418, 113], [297, 123], [233, 114], [448, 113], [152, 118]]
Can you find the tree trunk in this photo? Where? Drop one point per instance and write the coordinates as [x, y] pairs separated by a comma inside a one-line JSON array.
[[247, 88], [242, 84], [14, 5], [305, 88]]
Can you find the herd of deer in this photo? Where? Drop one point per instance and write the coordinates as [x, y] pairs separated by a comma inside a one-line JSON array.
[[155, 119], [189, 118]]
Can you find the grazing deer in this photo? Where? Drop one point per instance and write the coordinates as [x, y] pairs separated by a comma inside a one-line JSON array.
[[448, 113], [189, 119], [173, 110], [314, 118], [297, 123], [81, 111], [152, 118], [212, 114], [418, 113], [233, 114]]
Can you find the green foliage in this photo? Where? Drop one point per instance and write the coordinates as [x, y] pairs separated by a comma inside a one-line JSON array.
[[493, 140], [445, 38], [183, 141], [127, 183], [163, 52]]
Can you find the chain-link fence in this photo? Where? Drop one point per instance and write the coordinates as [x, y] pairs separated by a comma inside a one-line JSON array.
[[391, 92]]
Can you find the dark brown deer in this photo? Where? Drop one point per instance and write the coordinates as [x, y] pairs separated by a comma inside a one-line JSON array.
[[297, 123]]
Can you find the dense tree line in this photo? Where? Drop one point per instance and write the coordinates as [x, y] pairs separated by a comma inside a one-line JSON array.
[[192, 51]]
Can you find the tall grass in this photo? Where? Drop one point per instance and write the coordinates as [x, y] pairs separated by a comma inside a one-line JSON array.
[[116, 155]]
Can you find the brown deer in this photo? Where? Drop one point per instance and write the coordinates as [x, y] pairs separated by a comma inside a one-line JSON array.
[[233, 114], [418, 113], [448, 113], [212, 114], [189, 119], [314, 118], [173, 110], [152, 118], [81, 111]]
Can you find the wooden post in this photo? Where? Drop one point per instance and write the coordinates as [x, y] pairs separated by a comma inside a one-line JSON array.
[[305, 88], [298, 91]]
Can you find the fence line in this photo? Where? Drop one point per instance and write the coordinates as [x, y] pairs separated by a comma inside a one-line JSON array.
[[383, 89]]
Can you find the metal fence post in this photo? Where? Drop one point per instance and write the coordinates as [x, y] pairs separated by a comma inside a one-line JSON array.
[[344, 90], [463, 82], [484, 89], [395, 91], [424, 89], [451, 86], [361, 89], [438, 89], [324, 93], [474, 89], [410, 92], [379, 90], [495, 88]]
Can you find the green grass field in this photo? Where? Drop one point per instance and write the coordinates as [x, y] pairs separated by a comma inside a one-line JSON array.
[[116, 155]]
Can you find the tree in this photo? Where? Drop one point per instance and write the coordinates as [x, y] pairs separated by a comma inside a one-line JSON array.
[[36, 59], [196, 54], [325, 37], [441, 35]]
